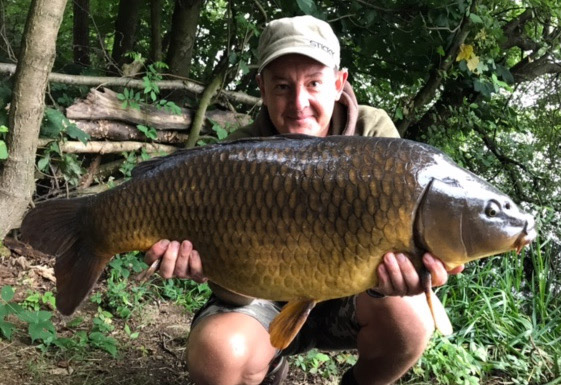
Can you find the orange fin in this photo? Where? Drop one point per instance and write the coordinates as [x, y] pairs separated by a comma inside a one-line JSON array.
[[441, 321], [288, 323], [58, 228]]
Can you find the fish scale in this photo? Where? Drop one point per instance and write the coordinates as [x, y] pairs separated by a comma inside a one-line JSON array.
[[289, 219]]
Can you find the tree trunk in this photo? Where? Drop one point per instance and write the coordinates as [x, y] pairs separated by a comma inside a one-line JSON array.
[[125, 31], [156, 29], [81, 32], [28, 103], [183, 30]]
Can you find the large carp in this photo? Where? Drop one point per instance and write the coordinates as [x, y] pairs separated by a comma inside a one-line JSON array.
[[297, 219]]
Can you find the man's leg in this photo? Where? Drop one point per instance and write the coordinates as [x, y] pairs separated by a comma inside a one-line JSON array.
[[229, 349], [394, 334]]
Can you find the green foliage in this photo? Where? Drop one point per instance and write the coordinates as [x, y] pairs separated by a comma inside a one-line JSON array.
[[35, 301], [149, 96], [131, 160], [122, 295], [3, 147], [57, 126], [312, 361], [150, 132], [327, 365], [506, 313], [42, 331], [221, 134], [130, 98], [39, 325], [451, 361]]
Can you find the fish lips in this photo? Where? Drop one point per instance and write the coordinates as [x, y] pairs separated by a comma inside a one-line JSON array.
[[526, 236]]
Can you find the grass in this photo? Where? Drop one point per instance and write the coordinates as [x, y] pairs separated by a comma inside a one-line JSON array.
[[507, 316]]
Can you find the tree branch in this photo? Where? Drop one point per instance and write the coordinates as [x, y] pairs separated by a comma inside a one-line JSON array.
[[426, 94], [199, 118], [527, 70], [107, 81]]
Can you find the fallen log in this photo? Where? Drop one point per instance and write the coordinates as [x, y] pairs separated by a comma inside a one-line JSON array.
[[118, 131], [104, 104], [100, 147]]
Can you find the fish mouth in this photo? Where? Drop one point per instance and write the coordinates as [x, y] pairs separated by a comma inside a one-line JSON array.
[[526, 236]]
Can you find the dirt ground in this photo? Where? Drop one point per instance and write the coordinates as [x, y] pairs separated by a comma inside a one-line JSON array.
[[155, 357]]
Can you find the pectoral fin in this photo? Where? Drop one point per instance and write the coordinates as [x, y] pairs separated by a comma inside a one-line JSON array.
[[288, 323], [441, 320]]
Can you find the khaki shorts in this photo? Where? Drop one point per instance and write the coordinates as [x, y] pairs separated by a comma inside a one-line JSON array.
[[331, 325]]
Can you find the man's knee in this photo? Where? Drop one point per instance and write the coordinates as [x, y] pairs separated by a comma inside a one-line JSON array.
[[403, 324], [228, 348]]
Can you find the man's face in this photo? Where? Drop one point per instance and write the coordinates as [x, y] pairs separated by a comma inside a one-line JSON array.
[[300, 94]]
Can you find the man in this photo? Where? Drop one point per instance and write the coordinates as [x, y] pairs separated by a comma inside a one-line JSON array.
[[304, 91]]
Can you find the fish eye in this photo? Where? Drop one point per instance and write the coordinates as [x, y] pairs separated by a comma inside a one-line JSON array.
[[492, 209]]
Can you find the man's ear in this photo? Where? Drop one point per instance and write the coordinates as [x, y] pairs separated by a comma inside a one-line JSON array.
[[261, 85], [340, 80]]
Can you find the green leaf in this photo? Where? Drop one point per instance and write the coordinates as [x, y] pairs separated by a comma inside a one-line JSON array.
[[150, 132], [3, 129], [475, 18], [43, 163], [6, 329], [307, 6], [75, 322], [322, 357], [43, 330], [75, 133], [27, 316], [53, 123], [101, 341], [7, 293]]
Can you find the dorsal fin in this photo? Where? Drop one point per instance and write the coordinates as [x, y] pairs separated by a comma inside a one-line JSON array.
[[151, 164]]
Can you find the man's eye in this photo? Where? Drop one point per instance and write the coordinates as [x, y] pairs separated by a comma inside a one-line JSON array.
[[281, 87], [315, 83]]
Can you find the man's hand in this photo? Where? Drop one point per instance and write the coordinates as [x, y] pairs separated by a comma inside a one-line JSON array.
[[177, 260], [398, 277]]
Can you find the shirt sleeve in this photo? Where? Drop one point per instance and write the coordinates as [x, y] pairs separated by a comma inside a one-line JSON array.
[[375, 122]]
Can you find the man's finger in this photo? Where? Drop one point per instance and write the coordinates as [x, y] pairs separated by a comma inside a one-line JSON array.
[[156, 251], [409, 275], [394, 273], [196, 267], [168, 260], [183, 260], [436, 269]]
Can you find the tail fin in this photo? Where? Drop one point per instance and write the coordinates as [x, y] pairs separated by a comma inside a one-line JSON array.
[[60, 228]]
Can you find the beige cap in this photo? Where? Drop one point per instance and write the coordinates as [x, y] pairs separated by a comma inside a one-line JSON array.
[[304, 35]]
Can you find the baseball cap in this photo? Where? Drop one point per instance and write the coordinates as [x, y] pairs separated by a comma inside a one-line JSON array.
[[304, 35]]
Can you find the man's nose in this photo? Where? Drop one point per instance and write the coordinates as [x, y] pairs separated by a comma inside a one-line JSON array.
[[301, 98]]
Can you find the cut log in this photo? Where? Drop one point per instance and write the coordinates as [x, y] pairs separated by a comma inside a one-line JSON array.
[[119, 131], [104, 104]]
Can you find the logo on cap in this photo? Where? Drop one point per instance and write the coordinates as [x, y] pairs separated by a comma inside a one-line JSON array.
[[323, 47]]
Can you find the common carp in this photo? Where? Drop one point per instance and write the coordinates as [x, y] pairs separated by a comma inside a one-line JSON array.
[[289, 218]]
